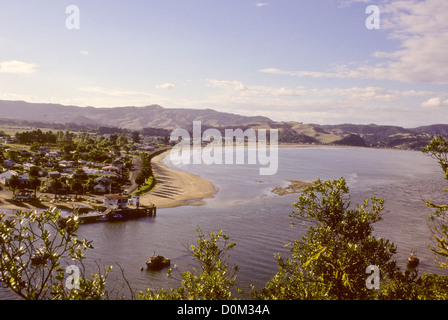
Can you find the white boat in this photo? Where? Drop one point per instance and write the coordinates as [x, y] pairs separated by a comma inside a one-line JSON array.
[[117, 216]]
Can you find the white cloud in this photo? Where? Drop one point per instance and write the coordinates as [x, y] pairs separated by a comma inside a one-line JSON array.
[[237, 87], [435, 103], [363, 94], [422, 31], [372, 94], [17, 67], [261, 4], [355, 104], [340, 71], [165, 86], [226, 85], [84, 52]]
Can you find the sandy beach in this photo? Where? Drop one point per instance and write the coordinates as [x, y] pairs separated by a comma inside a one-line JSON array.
[[176, 188]]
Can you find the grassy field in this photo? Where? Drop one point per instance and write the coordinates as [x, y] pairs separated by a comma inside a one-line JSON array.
[[12, 130], [146, 187]]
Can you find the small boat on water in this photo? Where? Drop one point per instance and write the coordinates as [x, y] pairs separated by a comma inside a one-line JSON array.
[[102, 218], [158, 262], [413, 261], [116, 217]]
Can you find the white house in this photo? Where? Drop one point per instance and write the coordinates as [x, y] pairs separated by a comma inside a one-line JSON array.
[[66, 163], [115, 201], [111, 169], [102, 184], [91, 171], [53, 154], [28, 165], [135, 201], [99, 187], [54, 174], [6, 176]]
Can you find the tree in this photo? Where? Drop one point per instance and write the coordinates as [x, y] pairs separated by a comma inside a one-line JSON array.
[[438, 149], [77, 186], [34, 172], [55, 185], [80, 175], [330, 260], [140, 178], [113, 139], [35, 146], [212, 279], [97, 155], [135, 136], [35, 184], [89, 184], [432, 286], [14, 183], [13, 155], [146, 169], [68, 147], [35, 250], [122, 141]]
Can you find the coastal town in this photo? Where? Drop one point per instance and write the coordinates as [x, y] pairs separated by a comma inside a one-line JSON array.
[[75, 171]]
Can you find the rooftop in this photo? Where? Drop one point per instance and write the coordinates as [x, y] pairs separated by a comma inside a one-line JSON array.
[[114, 196]]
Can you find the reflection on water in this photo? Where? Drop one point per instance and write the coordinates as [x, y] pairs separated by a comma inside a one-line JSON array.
[[258, 221]]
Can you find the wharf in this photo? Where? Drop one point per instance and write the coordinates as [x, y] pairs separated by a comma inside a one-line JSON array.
[[118, 214]]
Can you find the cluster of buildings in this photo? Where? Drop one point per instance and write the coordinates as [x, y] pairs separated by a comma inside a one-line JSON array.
[[51, 167]]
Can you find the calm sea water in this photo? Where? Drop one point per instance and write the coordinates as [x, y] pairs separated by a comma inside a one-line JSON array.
[[258, 220]]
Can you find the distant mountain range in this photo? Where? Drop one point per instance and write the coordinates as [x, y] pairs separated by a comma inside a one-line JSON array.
[[155, 116], [124, 117]]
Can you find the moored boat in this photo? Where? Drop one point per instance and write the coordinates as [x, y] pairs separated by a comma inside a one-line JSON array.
[[116, 217], [413, 261], [158, 262]]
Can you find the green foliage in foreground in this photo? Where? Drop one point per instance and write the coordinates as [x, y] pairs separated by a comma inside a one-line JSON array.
[[35, 250], [438, 149], [328, 262]]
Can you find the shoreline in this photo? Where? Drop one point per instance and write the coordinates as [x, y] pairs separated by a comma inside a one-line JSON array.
[[175, 188], [8, 206]]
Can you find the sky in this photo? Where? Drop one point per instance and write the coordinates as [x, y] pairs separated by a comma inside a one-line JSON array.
[[311, 61]]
